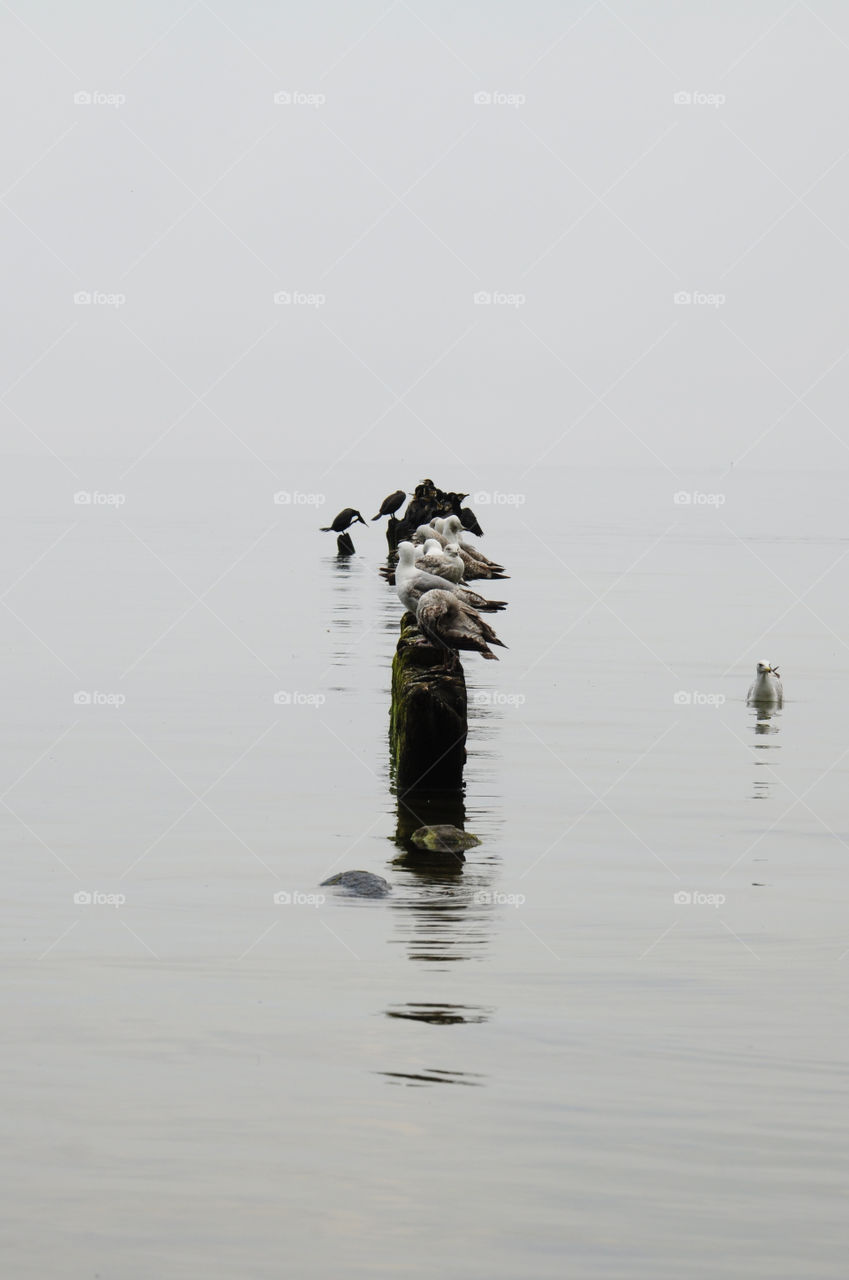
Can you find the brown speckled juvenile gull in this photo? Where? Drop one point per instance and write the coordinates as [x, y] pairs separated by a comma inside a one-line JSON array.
[[450, 623]]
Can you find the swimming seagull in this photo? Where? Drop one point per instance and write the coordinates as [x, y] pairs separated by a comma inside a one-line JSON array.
[[767, 686], [390, 505], [411, 583], [343, 521], [452, 625]]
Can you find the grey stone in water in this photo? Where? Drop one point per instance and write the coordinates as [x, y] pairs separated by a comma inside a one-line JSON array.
[[443, 838], [362, 883]]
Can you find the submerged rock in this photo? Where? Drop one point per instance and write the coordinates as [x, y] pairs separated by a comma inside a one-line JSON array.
[[362, 883], [443, 838]]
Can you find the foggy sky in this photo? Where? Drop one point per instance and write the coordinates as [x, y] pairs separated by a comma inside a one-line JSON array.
[[383, 197]]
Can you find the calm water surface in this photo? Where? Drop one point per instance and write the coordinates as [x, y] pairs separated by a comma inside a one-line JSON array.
[[613, 1044]]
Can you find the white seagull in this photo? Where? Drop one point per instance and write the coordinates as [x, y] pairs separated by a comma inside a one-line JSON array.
[[411, 583], [452, 529], [440, 560], [767, 686]]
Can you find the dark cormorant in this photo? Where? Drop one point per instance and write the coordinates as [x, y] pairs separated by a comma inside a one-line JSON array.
[[343, 521], [391, 504]]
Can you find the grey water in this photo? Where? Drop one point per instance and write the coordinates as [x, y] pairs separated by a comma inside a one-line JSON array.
[[611, 1044]]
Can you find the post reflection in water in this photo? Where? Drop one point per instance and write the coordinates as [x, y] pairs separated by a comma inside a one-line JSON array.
[[765, 726], [441, 919], [439, 913]]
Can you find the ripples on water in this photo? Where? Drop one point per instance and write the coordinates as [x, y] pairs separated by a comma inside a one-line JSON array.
[[640, 1088]]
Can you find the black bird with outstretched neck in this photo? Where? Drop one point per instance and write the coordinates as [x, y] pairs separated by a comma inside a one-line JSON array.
[[343, 521], [390, 505]]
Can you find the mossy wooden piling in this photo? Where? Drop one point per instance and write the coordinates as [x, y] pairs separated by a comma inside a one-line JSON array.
[[428, 721]]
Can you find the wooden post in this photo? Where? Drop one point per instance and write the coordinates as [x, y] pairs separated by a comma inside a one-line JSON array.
[[428, 723]]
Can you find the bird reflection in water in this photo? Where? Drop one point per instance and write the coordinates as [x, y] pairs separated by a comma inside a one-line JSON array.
[[347, 608], [765, 718]]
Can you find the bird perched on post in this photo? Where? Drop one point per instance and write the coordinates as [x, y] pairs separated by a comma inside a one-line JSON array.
[[411, 583], [767, 686], [390, 505], [452, 528], [442, 562], [449, 623], [470, 521], [343, 521]]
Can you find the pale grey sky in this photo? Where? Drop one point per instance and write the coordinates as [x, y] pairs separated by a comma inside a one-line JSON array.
[[383, 197]]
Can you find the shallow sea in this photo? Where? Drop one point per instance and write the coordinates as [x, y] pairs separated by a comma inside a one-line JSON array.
[[612, 1044]]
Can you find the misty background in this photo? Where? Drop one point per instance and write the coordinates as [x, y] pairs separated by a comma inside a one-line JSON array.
[[589, 263], [386, 189]]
